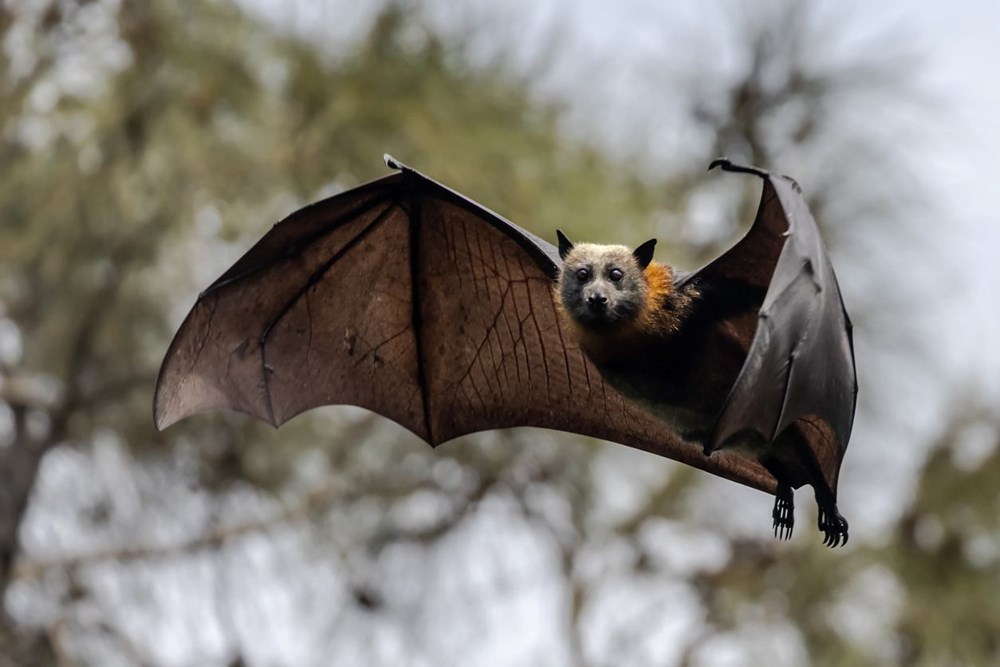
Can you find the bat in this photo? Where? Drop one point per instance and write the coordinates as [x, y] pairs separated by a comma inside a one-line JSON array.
[[404, 297]]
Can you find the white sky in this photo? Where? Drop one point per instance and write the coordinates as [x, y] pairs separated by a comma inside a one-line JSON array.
[[964, 42], [615, 46]]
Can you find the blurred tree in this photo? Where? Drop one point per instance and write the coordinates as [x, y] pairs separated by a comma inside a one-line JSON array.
[[946, 550], [196, 128], [146, 143]]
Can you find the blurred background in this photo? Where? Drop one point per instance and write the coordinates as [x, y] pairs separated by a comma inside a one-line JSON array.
[[145, 144]]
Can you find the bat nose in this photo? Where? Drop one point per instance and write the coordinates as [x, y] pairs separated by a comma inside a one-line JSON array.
[[597, 303]]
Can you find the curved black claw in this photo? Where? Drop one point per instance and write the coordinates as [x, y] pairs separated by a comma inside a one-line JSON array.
[[784, 512], [833, 525], [728, 165]]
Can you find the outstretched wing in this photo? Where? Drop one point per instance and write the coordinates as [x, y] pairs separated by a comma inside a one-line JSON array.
[[406, 298], [799, 369]]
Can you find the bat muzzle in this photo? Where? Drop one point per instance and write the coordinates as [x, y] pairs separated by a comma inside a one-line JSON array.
[[597, 304]]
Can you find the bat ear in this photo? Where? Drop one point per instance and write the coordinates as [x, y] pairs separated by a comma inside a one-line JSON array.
[[565, 245], [644, 253]]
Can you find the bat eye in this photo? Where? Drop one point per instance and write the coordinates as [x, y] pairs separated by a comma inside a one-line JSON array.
[[582, 275], [615, 274]]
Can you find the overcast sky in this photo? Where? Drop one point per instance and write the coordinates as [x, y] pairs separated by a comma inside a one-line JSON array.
[[618, 47]]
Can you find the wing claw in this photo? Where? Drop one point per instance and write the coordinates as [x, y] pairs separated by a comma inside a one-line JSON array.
[[726, 164], [392, 162]]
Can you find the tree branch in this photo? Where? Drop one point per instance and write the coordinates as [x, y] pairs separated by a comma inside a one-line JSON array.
[[33, 570]]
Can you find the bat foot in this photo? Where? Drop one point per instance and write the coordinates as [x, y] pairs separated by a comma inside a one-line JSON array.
[[784, 512], [833, 526]]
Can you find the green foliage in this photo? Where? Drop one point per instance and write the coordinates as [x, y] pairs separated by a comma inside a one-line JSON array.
[[947, 551]]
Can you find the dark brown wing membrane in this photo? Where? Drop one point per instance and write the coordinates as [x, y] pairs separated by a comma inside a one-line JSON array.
[[799, 368], [303, 319], [410, 300]]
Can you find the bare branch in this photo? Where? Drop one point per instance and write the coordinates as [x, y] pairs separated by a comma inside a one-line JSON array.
[[316, 499]]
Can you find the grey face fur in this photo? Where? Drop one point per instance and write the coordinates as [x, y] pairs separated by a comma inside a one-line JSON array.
[[601, 285]]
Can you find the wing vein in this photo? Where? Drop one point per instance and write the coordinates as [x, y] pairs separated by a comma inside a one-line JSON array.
[[300, 244], [416, 220], [314, 278]]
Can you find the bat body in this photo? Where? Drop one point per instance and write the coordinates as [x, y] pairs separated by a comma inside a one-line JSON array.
[[648, 338], [744, 368]]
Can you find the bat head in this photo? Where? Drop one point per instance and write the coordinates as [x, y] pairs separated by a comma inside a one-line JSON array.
[[602, 286]]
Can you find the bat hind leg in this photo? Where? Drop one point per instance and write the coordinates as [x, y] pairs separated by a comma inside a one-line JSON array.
[[784, 512], [832, 524]]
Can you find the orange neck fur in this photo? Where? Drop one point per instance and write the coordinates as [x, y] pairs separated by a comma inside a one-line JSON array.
[[654, 318]]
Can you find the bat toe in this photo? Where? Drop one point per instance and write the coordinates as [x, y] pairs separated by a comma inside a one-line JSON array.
[[833, 526], [784, 512]]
